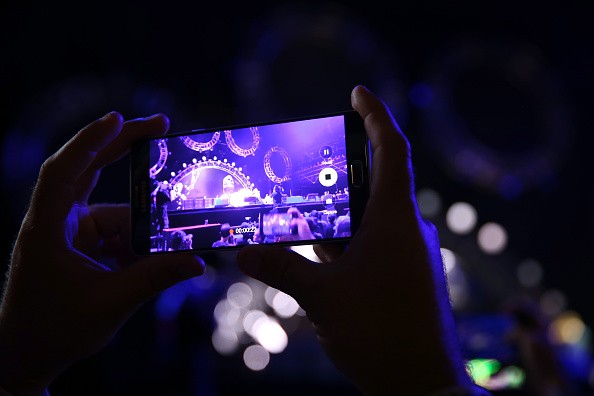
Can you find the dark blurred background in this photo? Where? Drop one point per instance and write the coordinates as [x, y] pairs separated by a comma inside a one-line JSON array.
[[495, 99]]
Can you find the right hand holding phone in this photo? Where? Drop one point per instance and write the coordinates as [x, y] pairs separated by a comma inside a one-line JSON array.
[[380, 306]]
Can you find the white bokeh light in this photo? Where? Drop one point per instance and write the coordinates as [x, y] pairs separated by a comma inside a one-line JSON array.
[[256, 357], [461, 218], [492, 238], [269, 294], [429, 202], [270, 334], [449, 259], [240, 295], [307, 252], [251, 318], [284, 305], [224, 340], [220, 312]]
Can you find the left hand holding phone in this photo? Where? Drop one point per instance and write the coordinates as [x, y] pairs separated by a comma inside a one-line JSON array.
[[59, 293]]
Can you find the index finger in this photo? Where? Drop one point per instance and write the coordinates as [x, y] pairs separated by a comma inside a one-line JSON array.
[[57, 182], [392, 174], [377, 118], [132, 131]]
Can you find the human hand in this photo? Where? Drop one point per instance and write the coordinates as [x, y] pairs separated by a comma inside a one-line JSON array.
[[380, 310], [61, 301]]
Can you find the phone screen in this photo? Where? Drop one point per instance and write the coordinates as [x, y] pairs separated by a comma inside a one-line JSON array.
[[289, 182]]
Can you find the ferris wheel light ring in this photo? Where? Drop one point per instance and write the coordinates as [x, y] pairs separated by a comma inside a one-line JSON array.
[[268, 168], [215, 164], [198, 146], [240, 151], [160, 164]]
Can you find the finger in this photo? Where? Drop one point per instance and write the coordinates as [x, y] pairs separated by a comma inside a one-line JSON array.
[[392, 174], [384, 135], [132, 131], [57, 182], [281, 269], [149, 276], [328, 252], [111, 219], [105, 227], [112, 222], [382, 129]]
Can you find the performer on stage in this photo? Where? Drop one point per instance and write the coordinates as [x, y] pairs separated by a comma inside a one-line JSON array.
[[162, 198], [277, 194], [228, 185], [234, 198]]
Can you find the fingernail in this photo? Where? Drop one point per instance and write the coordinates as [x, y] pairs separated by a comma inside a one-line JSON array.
[[147, 118], [108, 115], [364, 87], [153, 116]]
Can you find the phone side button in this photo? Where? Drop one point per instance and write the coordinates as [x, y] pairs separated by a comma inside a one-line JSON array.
[[357, 173]]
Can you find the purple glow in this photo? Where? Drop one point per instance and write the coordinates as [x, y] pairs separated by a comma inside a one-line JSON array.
[[305, 158], [421, 95]]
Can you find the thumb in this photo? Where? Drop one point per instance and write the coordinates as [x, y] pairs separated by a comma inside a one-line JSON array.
[[150, 276], [280, 268]]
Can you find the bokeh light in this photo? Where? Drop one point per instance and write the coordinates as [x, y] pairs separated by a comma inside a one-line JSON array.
[[240, 295], [492, 238], [284, 305], [461, 218], [250, 318], [270, 334], [227, 315], [457, 283], [224, 340], [429, 202], [493, 376], [449, 259], [256, 357], [552, 302], [529, 273], [481, 370], [567, 328], [307, 252]]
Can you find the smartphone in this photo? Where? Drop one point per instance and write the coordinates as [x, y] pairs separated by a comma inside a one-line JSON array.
[[289, 182]]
